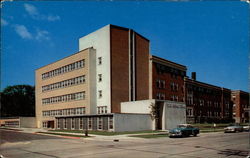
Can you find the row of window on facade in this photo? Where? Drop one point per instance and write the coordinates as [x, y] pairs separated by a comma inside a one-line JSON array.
[[191, 88], [12, 123], [162, 96], [82, 124], [201, 102], [162, 84], [64, 98], [64, 69], [166, 69], [190, 112], [64, 112], [102, 109], [64, 84]]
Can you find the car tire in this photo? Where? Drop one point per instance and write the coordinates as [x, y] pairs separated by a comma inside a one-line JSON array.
[[194, 133]]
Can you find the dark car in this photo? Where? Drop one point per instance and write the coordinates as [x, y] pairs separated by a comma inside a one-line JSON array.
[[184, 130], [233, 129]]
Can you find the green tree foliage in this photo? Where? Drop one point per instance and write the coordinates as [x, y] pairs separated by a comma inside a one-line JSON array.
[[18, 100]]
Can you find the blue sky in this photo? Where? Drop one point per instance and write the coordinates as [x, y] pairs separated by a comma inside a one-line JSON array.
[[210, 38]]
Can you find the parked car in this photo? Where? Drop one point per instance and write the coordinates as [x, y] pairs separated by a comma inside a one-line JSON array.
[[246, 128], [233, 128], [184, 130]]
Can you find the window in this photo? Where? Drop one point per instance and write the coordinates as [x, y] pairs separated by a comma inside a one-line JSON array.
[[72, 123], [99, 77], [162, 96], [99, 123], [45, 124], [158, 95], [58, 123], [100, 93], [81, 123], [100, 60], [64, 69], [158, 85], [163, 84], [189, 112], [110, 122], [90, 123], [64, 123]]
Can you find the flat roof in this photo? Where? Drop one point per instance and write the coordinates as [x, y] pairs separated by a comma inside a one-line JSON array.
[[204, 84], [168, 62], [239, 91], [65, 57]]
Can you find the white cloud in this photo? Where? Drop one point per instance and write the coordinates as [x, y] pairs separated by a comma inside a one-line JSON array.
[[42, 35], [34, 13], [4, 22], [23, 32], [53, 18], [31, 9]]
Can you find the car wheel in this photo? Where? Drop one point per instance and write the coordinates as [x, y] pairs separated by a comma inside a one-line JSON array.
[[194, 134]]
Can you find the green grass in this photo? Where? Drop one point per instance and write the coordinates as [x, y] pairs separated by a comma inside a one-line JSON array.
[[62, 134], [105, 133], [148, 136]]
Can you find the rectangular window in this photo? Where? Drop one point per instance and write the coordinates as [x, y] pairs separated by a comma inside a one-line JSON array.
[[162, 96], [100, 77], [106, 109], [65, 123], [100, 60], [72, 123], [100, 93], [98, 110], [110, 122], [81, 123], [158, 96], [99, 123], [89, 123], [58, 124]]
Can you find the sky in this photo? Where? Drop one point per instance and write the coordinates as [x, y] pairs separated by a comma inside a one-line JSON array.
[[211, 38]]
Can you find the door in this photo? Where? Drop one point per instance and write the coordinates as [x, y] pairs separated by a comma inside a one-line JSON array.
[[51, 124]]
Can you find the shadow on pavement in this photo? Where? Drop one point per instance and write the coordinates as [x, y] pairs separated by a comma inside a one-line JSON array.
[[233, 152]]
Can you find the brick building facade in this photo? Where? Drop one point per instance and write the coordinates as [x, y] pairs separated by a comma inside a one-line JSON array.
[[207, 103], [240, 101], [167, 80]]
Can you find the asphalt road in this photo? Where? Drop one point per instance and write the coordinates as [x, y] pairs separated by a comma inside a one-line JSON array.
[[215, 145]]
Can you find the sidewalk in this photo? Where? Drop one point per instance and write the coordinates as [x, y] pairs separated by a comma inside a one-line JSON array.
[[92, 136]]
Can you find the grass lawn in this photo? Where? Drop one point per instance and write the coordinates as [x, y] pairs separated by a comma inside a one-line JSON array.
[[62, 134], [150, 136], [105, 133]]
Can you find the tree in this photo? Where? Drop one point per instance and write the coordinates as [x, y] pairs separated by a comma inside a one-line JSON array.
[[154, 114], [18, 100]]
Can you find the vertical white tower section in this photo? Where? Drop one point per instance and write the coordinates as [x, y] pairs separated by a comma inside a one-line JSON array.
[[100, 40]]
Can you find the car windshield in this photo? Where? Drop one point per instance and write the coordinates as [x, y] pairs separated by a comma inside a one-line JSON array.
[[182, 126]]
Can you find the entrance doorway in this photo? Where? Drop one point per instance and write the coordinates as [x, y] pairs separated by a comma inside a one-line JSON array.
[[159, 113], [51, 124]]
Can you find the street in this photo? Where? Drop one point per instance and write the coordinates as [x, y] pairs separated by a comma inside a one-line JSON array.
[[15, 144]]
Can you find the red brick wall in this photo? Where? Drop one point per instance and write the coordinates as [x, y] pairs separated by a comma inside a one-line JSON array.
[[119, 67], [142, 68], [168, 80]]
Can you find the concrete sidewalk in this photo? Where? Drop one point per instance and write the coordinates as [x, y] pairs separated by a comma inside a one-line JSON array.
[[92, 136]]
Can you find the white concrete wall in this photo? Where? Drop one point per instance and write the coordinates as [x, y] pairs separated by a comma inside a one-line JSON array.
[[28, 122], [139, 107], [174, 113], [132, 122], [100, 40]]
